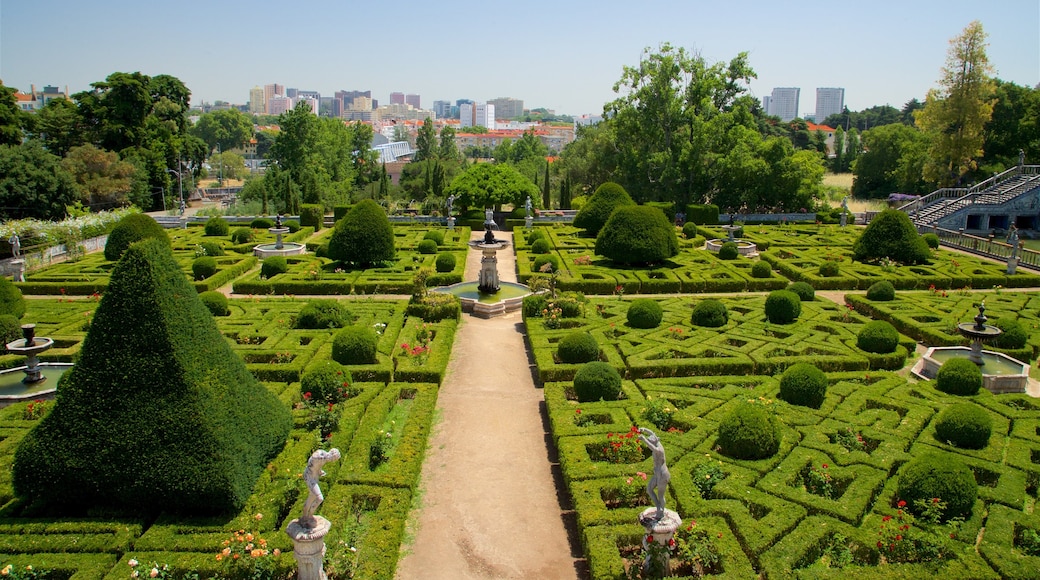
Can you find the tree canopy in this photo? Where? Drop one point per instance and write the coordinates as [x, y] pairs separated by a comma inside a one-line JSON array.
[[491, 184], [224, 130]]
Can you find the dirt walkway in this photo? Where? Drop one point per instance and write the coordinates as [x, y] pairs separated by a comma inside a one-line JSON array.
[[490, 506]]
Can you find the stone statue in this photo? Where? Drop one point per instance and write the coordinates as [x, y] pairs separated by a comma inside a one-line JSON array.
[[311, 476], [278, 220], [527, 205], [489, 216], [1012, 239], [184, 206], [1021, 157], [451, 203], [657, 487], [16, 245], [845, 204]]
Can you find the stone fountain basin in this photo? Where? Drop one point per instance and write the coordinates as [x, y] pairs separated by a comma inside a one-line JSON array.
[[288, 249], [13, 390], [509, 298], [744, 247], [1000, 373]]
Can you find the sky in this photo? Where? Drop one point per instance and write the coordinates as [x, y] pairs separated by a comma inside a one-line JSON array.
[[564, 55]]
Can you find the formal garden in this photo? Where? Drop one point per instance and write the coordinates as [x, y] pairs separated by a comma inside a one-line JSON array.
[[798, 444]]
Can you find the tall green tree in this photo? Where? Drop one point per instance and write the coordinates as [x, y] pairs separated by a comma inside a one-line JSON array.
[[12, 118], [956, 112], [839, 164], [448, 149], [490, 184], [425, 142], [59, 126], [546, 183], [224, 130], [1014, 126], [33, 184], [891, 162], [102, 179]]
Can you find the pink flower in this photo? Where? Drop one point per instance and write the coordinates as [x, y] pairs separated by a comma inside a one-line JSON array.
[[641, 474]]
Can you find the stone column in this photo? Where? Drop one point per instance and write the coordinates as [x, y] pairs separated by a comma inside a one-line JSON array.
[[660, 531], [19, 269], [309, 547]]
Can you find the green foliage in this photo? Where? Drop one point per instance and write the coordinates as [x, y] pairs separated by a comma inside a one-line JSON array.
[[636, 235], [294, 226], [597, 381], [533, 236], [803, 384], [211, 249], [491, 184], [216, 226], [364, 236], [35, 185], [242, 235], [942, 476], [709, 313], [319, 314], [10, 328], [312, 215], [436, 235], [203, 267], [1014, 335], [965, 425], [882, 291], [689, 230], [593, 216], [188, 429], [959, 376], [702, 215], [749, 432], [435, 306], [355, 345], [644, 313], [327, 383], [878, 337], [427, 247], [273, 265], [540, 246], [541, 261], [261, 223], [783, 307], [805, 292], [445, 262], [891, 235], [829, 269], [932, 240], [132, 228], [729, 251], [216, 302], [11, 301], [534, 304], [762, 269], [578, 347]]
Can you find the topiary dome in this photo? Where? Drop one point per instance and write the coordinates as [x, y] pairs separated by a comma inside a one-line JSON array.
[[637, 234], [364, 236], [132, 228], [594, 214], [891, 235]]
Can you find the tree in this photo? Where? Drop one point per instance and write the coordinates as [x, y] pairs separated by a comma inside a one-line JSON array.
[[490, 184], [1014, 126], [224, 130], [401, 134], [546, 201], [425, 142], [33, 184], [594, 214], [116, 109], [104, 181], [364, 236], [909, 110], [448, 149], [59, 126], [12, 118], [228, 165], [838, 164], [892, 161], [956, 112]]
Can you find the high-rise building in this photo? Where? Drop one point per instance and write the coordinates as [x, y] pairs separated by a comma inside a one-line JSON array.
[[349, 96], [360, 103], [783, 103], [396, 98], [412, 100], [767, 101], [442, 109], [256, 100], [477, 115], [278, 104], [291, 92], [829, 101], [271, 91], [508, 107]]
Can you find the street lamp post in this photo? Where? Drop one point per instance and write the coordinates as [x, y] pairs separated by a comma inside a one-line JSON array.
[[180, 189]]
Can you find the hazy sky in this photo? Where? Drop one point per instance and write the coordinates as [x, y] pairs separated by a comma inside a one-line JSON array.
[[564, 55]]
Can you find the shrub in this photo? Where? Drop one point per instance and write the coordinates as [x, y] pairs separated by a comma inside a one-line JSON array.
[[216, 226], [204, 267], [891, 235], [882, 291], [132, 228], [702, 214], [427, 247], [803, 384], [596, 381], [326, 313], [242, 235], [322, 251], [829, 269], [594, 214], [644, 313], [272, 266], [959, 376], [749, 432], [10, 329], [783, 307], [540, 246], [1014, 335], [878, 337], [534, 304], [261, 223], [728, 251], [216, 302], [578, 347], [11, 300], [436, 235], [546, 259], [941, 476], [571, 304], [710, 313], [293, 225], [312, 215], [201, 429], [355, 345], [211, 249], [805, 292], [762, 269], [445, 262], [965, 425], [932, 240], [637, 234], [689, 229], [364, 236], [327, 383], [534, 235]]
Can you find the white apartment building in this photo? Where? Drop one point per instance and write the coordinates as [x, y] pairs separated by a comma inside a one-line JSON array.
[[783, 103], [477, 115], [829, 101]]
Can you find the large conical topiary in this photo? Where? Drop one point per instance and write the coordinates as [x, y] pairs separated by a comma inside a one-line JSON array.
[[891, 235], [364, 236], [637, 234], [594, 214], [159, 412], [132, 228]]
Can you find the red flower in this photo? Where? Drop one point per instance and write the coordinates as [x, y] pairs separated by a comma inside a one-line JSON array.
[[899, 537], [879, 545], [935, 500], [307, 396], [577, 411], [886, 518], [649, 539], [825, 466], [901, 503]]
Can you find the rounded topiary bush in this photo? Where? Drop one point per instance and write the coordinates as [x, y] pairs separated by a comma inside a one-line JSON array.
[[211, 249], [541, 261], [445, 262], [10, 328], [534, 235], [644, 313], [326, 313], [729, 251], [805, 292], [242, 235], [427, 247], [1014, 335], [932, 240], [689, 229], [803, 384], [203, 267], [272, 266], [216, 302], [942, 476], [783, 307], [637, 234], [578, 347], [594, 214], [597, 381], [364, 236], [325, 383], [959, 376], [891, 235], [11, 300], [710, 313], [965, 425], [355, 345], [882, 291], [878, 337], [216, 226], [761, 269], [749, 432], [828, 269], [261, 223], [540, 246], [436, 235], [293, 225], [132, 228]]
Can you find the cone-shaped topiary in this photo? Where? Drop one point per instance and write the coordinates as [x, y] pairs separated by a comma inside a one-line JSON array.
[[594, 214], [878, 337], [364, 236], [959, 376], [644, 313], [578, 347], [596, 381], [158, 413], [132, 228], [891, 235], [942, 476], [803, 384], [11, 300], [965, 425], [637, 234], [749, 432]]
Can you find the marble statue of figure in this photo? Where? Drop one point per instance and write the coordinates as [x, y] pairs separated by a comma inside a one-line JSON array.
[[16, 245], [845, 203], [1012, 239], [489, 215], [311, 476], [451, 202], [527, 205], [657, 487]]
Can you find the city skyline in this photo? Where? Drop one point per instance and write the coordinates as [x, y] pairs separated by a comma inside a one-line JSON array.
[[564, 57]]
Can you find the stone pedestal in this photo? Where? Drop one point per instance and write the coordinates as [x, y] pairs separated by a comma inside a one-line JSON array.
[[1012, 265], [844, 219], [662, 530], [488, 279], [309, 547], [451, 223], [528, 222], [278, 245], [19, 269]]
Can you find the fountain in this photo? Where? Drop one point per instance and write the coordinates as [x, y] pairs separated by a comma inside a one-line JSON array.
[[1000, 373], [37, 380], [744, 247], [278, 248]]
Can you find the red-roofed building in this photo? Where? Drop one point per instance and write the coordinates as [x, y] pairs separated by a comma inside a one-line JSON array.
[[828, 133]]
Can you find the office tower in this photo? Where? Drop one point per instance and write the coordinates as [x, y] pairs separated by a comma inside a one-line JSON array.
[[278, 105], [508, 107], [442, 109], [270, 91], [829, 101], [412, 100], [396, 98], [477, 115], [291, 93], [256, 100], [784, 103]]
